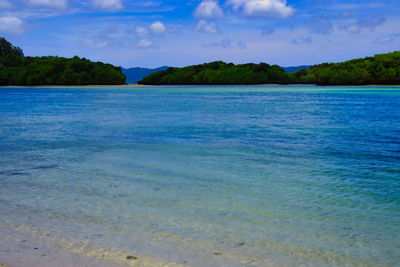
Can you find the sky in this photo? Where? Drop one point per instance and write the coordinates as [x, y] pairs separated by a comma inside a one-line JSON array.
[[153, 33]]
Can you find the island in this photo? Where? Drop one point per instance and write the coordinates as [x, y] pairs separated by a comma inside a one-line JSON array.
[[16, 69], [219, 72], [382, 69]]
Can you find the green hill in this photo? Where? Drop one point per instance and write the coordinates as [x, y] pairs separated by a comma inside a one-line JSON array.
[[380, 69], [219, 73], [15, 69]]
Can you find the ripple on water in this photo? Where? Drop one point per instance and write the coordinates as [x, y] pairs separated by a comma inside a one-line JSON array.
[[263, 176]]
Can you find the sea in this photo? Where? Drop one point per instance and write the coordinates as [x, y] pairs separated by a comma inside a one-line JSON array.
[[258, 175]]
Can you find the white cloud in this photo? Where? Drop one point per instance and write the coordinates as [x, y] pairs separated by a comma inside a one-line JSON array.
[[157, 28], [263, 8], [5, 4], [49, 3], [11, 24], [109, 5], [208, 9], [209, 27], [141, 31], [144, 43]]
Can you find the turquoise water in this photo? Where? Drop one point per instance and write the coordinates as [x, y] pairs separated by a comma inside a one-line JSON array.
[[212, 175]]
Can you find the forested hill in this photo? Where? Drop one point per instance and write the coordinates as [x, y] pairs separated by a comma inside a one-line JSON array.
[[219, 73], [380, 69], [15, 69]]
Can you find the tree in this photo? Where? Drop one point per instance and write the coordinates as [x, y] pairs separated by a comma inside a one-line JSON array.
[[7, 48]]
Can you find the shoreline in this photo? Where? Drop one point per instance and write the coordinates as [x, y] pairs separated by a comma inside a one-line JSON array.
[[67, 86], [156, 85]]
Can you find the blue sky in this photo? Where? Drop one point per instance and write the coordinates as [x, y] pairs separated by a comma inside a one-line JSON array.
[[177, 33]]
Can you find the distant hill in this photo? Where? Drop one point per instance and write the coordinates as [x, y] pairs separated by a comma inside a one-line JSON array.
[[133, 75], [218, 72], [295, 68], [383, 69], [16, 69]]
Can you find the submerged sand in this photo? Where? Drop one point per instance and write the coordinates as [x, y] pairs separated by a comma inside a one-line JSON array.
[[22, 248]]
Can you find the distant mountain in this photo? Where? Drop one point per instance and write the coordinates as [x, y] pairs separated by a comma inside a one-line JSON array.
[[296, 68], [133, 75]]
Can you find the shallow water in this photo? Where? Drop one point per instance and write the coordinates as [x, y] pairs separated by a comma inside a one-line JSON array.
[[206, 175]]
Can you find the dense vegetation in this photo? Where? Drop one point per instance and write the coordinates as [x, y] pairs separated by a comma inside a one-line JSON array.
[[219, 73], [380, 69], [6, 48], [15, 69]]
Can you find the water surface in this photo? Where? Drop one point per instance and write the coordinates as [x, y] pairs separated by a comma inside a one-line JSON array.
[[206, 175]]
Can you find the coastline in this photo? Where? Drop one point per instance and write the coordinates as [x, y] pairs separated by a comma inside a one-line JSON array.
[[67, 86], [150, 85]]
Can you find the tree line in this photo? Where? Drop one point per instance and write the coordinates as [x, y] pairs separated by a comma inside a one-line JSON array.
[[380, 69], [219, 72], [16, 69]]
